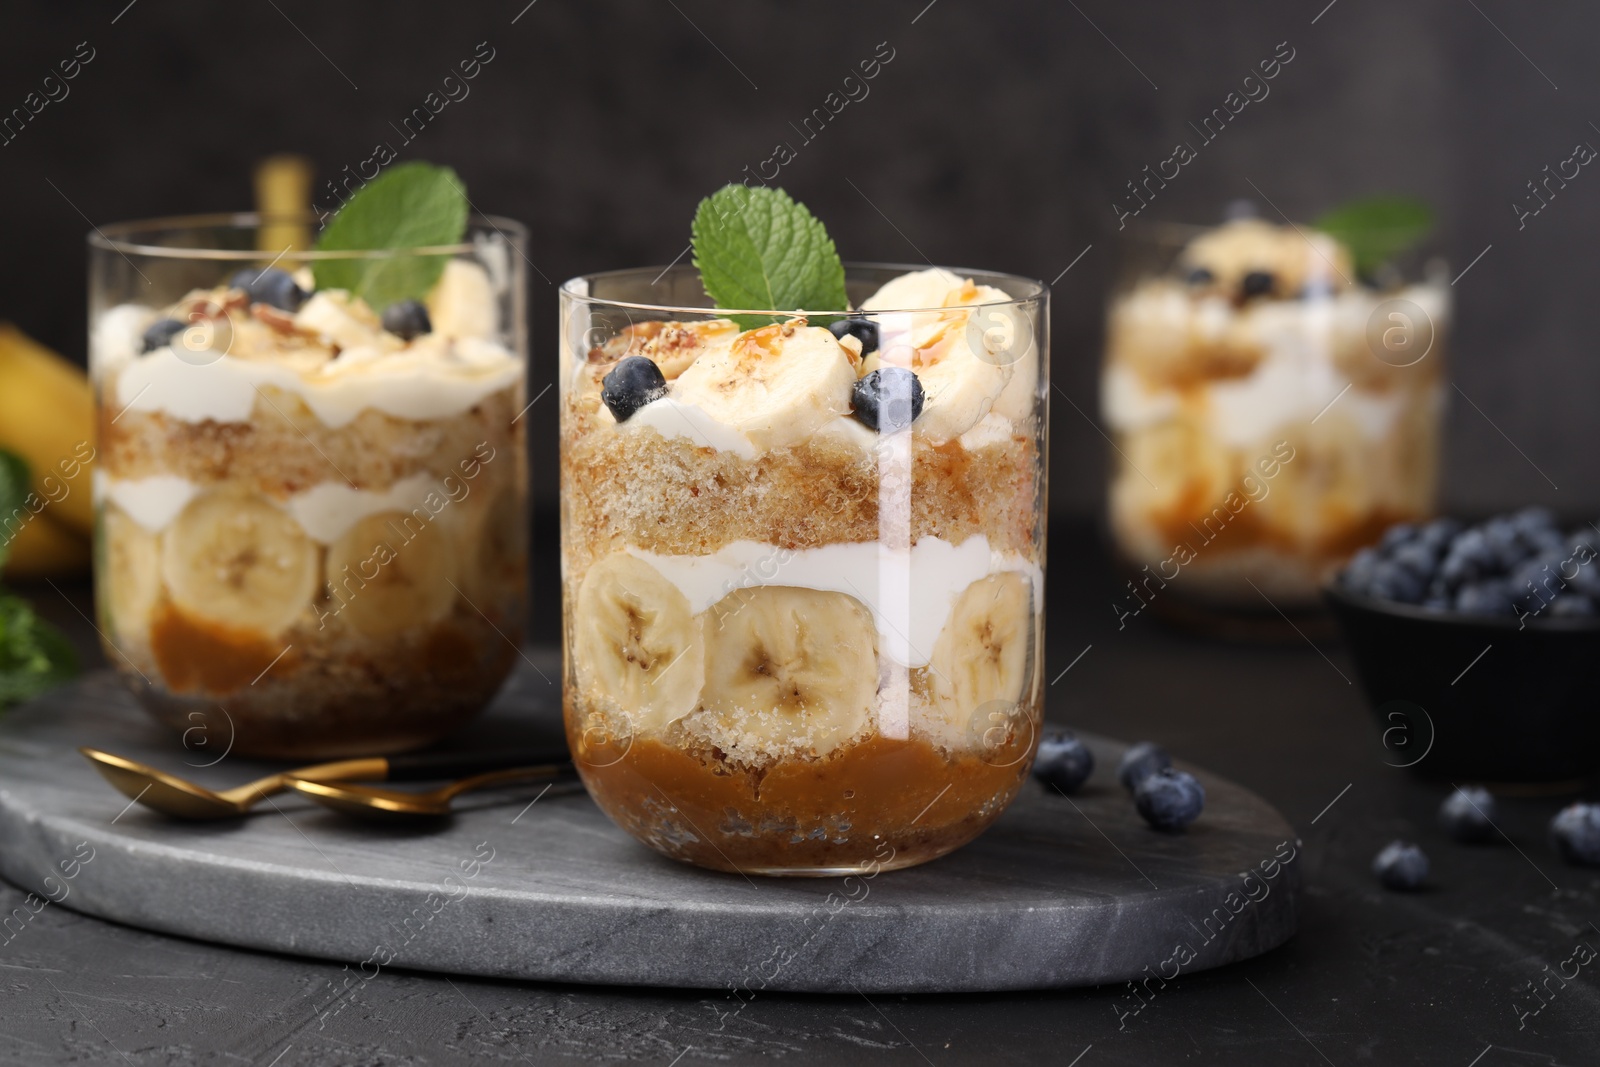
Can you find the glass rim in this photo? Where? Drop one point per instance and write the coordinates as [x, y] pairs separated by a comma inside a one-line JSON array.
[[1038, 291], [114, 237]]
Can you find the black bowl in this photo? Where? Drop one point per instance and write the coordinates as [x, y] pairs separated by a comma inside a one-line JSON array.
[[1486, 699]]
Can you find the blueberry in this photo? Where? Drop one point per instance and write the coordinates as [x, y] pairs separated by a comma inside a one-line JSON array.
[[1468, 559], [1391, 581], [1572, 606], [1357, 574], [1416, 557], [271, 286], [1063, 761], [1534, 518], [1575, 833], [1487, 597], [630, 385], [1505, 544], [1395, 536], [407, 319], [1257, 283], [1169, 799], [1401, 866], [1439, 533], [1201, 276], [863, 330], [160, 333], [888, 399], [1468, 814], [1141, 761]]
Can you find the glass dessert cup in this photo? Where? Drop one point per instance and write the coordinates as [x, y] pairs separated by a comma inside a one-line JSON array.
[[793, 644], [310, 532], [1271, 412]]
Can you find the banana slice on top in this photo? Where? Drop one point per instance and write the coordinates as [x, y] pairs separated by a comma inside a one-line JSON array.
[[777, 385], [240, 562], [391, 572], [790, 670], [132, 577], [985, 651], [635, 642]]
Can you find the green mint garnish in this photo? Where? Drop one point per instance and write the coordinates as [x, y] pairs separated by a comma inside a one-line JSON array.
[[1377, 228], [33, 656], [414, 205], [758, 249]]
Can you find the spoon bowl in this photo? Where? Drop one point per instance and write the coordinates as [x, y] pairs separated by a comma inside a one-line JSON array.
[[183, 799]]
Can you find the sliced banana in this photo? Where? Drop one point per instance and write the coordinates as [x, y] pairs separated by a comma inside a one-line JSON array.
[[789, 670], [391, 572], [985, 652], [960, 388], [339, 319], [635, 642], [777, 385], [132, 578], [678, 344], [240, 562], [463, 304]]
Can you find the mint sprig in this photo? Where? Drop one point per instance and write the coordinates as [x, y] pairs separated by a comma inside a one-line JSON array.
[[1377, 228], [413, 205], [758, 249], [34, 656]]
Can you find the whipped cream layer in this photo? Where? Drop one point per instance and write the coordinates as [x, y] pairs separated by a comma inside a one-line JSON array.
[[1295, 380], [910, 593], [326, 512]]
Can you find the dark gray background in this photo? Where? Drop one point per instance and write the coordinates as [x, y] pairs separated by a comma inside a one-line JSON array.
[[998, 136]]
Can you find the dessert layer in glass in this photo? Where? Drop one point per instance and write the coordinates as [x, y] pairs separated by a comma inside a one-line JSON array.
[[312, 526], [793, 636], [1271, 411]]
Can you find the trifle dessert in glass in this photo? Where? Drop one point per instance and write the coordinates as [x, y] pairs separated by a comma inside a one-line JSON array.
[[802, 558], [311, 499], [1275, 405]]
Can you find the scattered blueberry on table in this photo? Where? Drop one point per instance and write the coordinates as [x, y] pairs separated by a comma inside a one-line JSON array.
[[1401, 865], [1063, 761], [630, 385], [1575, 833], [1518, 565], [1169, 799], [1468, 814], [1139, 762]]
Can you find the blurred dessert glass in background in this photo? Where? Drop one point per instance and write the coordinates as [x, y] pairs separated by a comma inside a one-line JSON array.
[[1274, 395], [310, 493]]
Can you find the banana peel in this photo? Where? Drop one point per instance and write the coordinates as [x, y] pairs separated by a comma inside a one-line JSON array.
[[44, 548], [47, 418]]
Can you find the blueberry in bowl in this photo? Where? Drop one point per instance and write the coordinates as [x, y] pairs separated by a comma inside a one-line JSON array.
[[1488, 637]]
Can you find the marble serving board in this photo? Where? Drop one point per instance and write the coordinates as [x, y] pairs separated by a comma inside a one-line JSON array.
[[1059, 892]]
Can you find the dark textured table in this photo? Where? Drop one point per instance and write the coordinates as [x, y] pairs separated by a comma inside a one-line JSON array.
[[1446, 976]]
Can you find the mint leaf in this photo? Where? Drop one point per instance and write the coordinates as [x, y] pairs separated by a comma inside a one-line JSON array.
[[1378, 228], [757, 249], [414, 205], [34, 656], [13, 496]]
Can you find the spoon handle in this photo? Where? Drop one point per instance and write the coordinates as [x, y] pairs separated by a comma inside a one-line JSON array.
[[433, 765], [561, 771]]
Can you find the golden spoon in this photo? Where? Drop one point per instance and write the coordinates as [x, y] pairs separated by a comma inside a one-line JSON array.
[[368, 802], [184, 799]]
